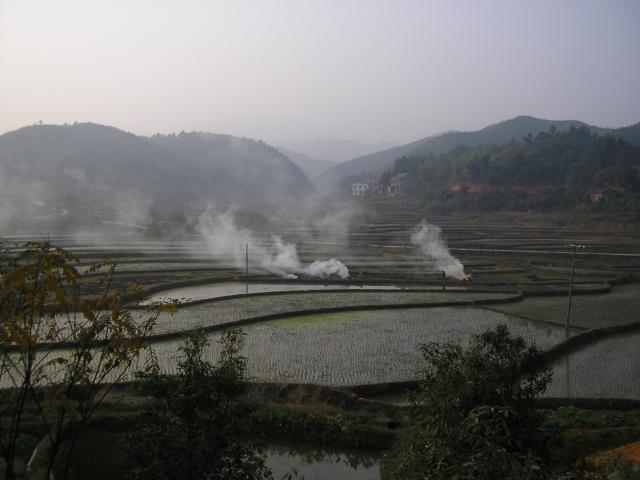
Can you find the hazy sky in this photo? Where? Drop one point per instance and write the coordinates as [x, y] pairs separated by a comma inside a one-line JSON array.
[[370, 70]]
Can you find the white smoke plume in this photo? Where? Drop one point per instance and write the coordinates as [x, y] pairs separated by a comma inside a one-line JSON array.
[[132, 208], [429, 239], [224, 239], [327, 268]]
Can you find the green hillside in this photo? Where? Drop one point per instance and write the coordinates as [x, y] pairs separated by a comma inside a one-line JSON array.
[[551, 170], [186, 166], [499, 133]]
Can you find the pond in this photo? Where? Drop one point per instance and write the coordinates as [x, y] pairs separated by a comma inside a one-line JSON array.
[[319, 464]]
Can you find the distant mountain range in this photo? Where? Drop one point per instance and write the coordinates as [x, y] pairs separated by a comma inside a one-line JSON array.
[[310, 166], [334, 150], [551, 171], [190, 167], [180, 167], [499, 133]]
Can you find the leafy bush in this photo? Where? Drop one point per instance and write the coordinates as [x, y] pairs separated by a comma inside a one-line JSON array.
[[335, 431], [195, 432], [568, 416], [42, 300], [475, 412]]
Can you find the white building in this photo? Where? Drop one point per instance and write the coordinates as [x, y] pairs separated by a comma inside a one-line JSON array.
[[359, 189]]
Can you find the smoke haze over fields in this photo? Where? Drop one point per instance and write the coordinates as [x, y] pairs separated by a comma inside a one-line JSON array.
[[226, 240]]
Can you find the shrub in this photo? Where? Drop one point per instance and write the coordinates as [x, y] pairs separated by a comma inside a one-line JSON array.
[[195, 431], [475, 412]]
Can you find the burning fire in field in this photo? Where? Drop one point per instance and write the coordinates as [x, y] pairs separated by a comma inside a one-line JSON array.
[[436, 255]]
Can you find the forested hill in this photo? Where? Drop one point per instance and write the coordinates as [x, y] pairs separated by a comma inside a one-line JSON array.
[[232, 167], [498, 133], [182, 167], [550, 170]]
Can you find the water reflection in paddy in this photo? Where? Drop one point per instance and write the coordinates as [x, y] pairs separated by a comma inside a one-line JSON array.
[[223, 289], [607, 368]]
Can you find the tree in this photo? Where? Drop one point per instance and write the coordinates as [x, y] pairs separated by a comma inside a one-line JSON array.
[[475, 412], [61, 351], [385, 178], [194, 432]]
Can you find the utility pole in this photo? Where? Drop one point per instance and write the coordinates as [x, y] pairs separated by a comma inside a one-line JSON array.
[[246, 268], [573, 248]]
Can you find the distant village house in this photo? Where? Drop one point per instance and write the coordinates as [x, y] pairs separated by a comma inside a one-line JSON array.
[[403, 184], [359, 189], [606, 194]]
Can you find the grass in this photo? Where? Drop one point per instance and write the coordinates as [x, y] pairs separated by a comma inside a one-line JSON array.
[[573, 417], [316, 320], [282, 423]]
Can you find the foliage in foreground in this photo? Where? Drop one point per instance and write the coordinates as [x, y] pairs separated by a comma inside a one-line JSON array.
[[319, 429], [59, 389], [195, 431], [615, 467], [475, 412]]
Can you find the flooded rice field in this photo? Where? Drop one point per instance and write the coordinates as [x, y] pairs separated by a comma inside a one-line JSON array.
[[368, 346], [618, 307], [242, 309], [361, 347], [375, 245], [226, 289], [608, 368]]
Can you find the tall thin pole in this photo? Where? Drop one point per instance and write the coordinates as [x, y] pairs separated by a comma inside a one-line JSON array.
[[246, 268], [573, 263]]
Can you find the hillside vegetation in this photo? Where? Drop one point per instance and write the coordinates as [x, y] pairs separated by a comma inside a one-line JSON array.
[[182, 167], [500, 133], [549, 171]]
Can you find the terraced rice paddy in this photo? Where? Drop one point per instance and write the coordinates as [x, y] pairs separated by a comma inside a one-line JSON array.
[[370, 346], [620, 306], [224, 289], [143, 266], [609, 368], [381, 345], [239, 309]]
